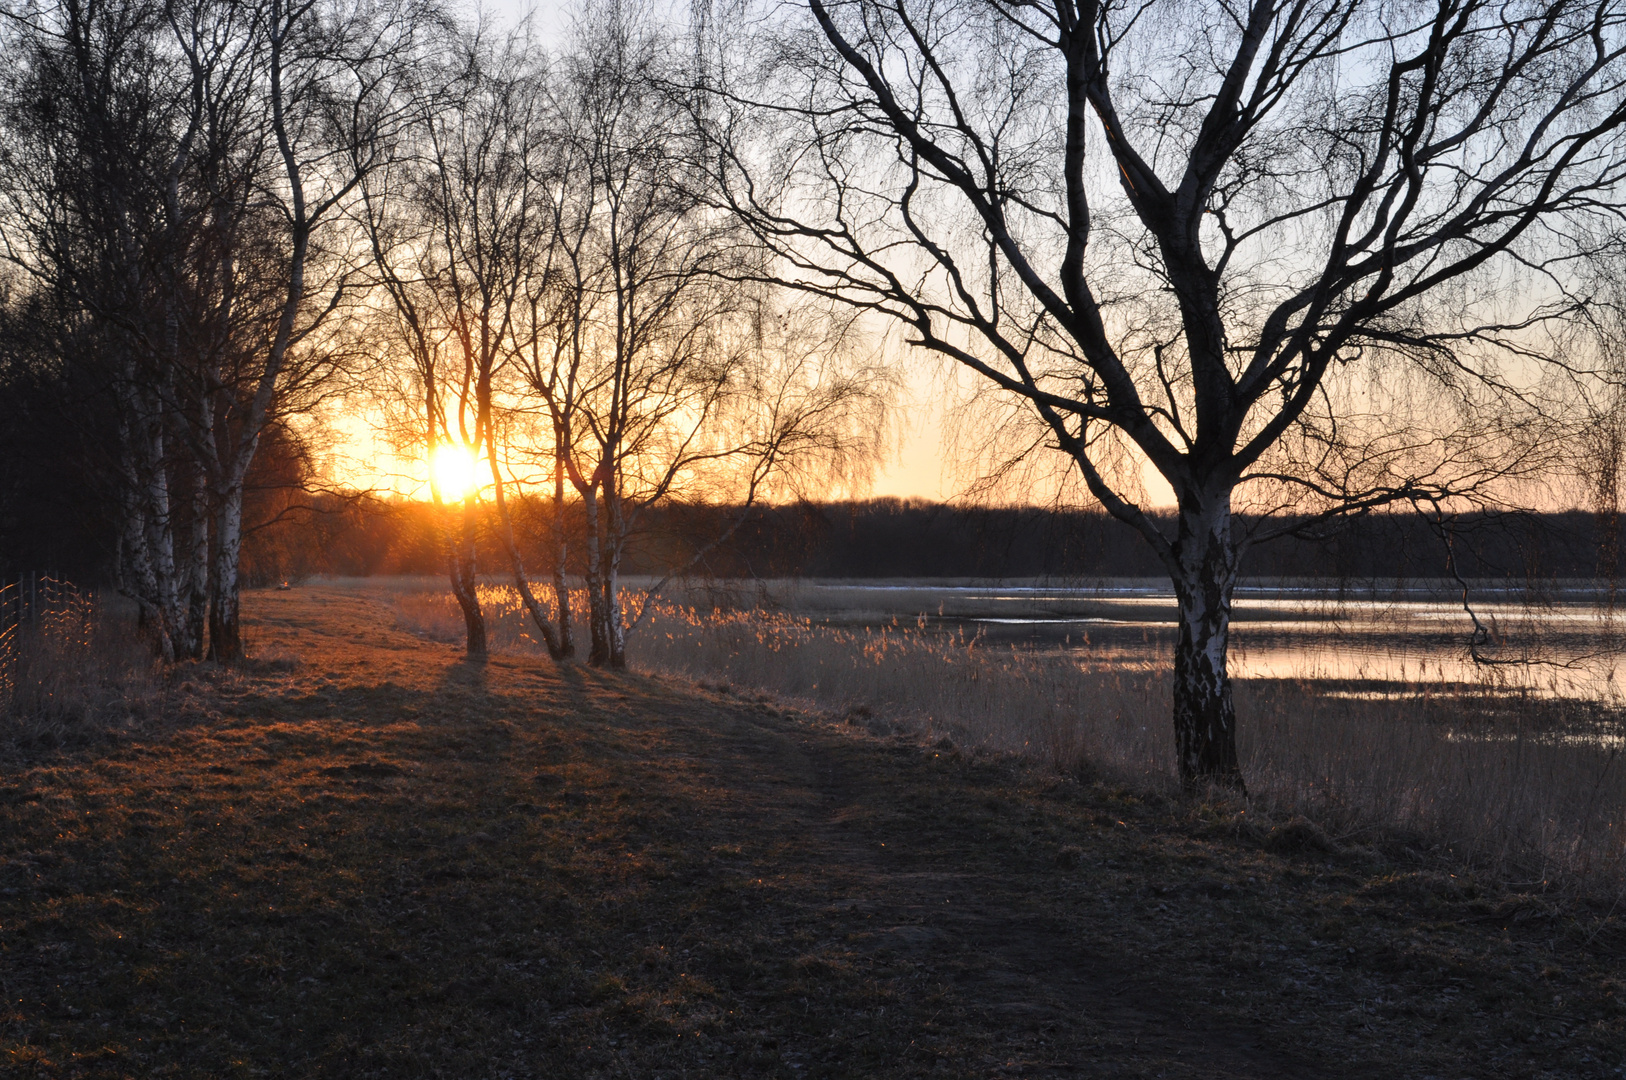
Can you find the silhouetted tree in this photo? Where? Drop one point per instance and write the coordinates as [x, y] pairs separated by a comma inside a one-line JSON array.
[[457, 228], [664, 372], [1315, 255], [179, 170]]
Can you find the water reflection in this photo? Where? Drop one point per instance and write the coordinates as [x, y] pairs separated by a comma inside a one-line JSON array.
[[1390, 642]]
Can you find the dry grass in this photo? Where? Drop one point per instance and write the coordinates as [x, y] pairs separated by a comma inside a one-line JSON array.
[[1521, 788], [388, 862], [1044, 706], [1518, 787]]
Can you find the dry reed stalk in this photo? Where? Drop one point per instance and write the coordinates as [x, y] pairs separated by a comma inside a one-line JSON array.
[[1500, 789]]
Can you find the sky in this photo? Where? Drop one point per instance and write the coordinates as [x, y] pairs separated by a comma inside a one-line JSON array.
[[920, 463], [917, 466]]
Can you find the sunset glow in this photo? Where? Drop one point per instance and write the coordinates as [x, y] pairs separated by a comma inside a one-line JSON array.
[[454, 471]]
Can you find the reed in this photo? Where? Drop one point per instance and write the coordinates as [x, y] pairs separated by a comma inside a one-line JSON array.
[[1513, 785]]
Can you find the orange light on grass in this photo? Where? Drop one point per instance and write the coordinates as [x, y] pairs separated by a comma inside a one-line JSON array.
[[454, 471]]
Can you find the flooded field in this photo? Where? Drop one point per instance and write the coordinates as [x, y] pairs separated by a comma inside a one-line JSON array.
[[1396, 641]]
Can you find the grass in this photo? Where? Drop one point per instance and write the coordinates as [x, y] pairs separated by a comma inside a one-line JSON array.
[[382, 861], [386, 862], [1517, 787]]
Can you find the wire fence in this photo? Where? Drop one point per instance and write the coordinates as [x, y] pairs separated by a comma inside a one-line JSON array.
[[40, 610]]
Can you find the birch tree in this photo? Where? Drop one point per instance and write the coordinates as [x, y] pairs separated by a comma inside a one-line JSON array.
[[462, 240], [334, 89], [663, 372], [1306, 253], [102, 151], [180, 174]]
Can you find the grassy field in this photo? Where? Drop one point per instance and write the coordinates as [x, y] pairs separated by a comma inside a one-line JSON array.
[[367, 857]]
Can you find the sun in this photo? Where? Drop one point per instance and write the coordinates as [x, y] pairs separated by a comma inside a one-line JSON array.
[[454, 471]]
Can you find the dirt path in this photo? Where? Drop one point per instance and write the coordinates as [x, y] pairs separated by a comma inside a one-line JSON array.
[[370, 858], [907, 888]]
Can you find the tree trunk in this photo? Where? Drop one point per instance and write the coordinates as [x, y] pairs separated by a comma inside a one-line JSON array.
[[197, 570], [461, 569], [615, 632], [225, 628], [598, 651], [160, 521], [561, 589], [521, 585], [1204, 576], [146, 522], [136, 577]]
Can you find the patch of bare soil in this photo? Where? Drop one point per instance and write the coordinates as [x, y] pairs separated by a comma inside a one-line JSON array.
[[371, 858]]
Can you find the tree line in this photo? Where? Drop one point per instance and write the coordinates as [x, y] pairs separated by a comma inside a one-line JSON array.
[[1539, 554]]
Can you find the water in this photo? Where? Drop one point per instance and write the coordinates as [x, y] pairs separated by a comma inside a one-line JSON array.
[[1374, 642]]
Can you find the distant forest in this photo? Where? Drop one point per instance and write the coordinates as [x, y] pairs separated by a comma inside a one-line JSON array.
[[912, 538], [877, 538], [52, 518]]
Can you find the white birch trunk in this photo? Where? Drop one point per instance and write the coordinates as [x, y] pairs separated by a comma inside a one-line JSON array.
[[225, 629], [137, 579], [1204, 575], [598, 652], [561, 589], [539, 618], [147, 527], [462, 571], [198, 574], [160, 523], [615, 631]]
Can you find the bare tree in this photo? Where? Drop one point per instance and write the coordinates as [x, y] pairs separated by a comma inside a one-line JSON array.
[[662, 372], [1308, 252], [491, 160], [459, 231], [624, 351], [437, 395], [181, 169], [107, 151], [334, 83]]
